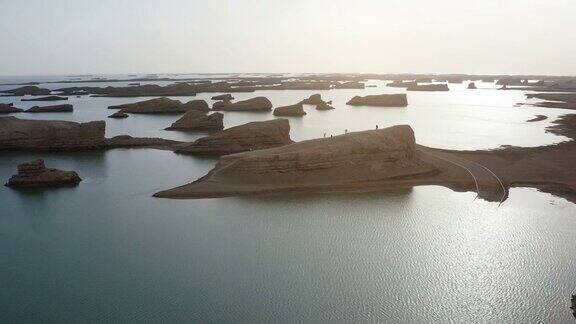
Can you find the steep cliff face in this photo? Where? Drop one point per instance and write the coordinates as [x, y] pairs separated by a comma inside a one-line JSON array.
[[50, 135], [199, 121], [162, 106], [354, 160], [250, 136], [385, 100]]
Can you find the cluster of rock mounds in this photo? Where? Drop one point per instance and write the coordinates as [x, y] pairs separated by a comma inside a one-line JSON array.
[[21, 134], [384, 100], [316, 100], [195, 120], [34, 174], [247, 137], [253, 104], [162, 106], [345, 161]]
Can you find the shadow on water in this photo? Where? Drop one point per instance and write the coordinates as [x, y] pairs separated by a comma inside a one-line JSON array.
[[388, 195]]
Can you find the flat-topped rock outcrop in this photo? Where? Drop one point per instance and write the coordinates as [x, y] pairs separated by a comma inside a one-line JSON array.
[[52, 108], [347, 161], [21, 134], [511, 81], [9, 109], [48, 98], [402, 84], [247, 137], [296, 110], [223, 97], [199, 121], [429, 87], [253, 104], [27, 90], [384, 100], [162, 106], [34, 174]]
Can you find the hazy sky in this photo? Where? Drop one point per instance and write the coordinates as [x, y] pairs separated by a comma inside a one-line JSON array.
[[130, 36]]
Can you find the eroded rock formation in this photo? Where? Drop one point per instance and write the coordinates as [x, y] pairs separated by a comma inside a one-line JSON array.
[[223, 97], [293, 110], [9, 109], [324, 106], [21, 134], [49, 98], [27, 90], [429, 87], [350, 85], [385, 100], [53, 108], [118, 115], [402, 84], [199, 121], [314, 99], [253, 104], [127, 141], [34, 174], [247, 137], [346, 161], [162, 106]]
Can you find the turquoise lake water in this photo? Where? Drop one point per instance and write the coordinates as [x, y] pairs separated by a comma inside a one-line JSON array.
[[106, 251]]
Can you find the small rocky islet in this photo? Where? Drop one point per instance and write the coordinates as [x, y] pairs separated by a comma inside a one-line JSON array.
[[34, 174], [296, 110]]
